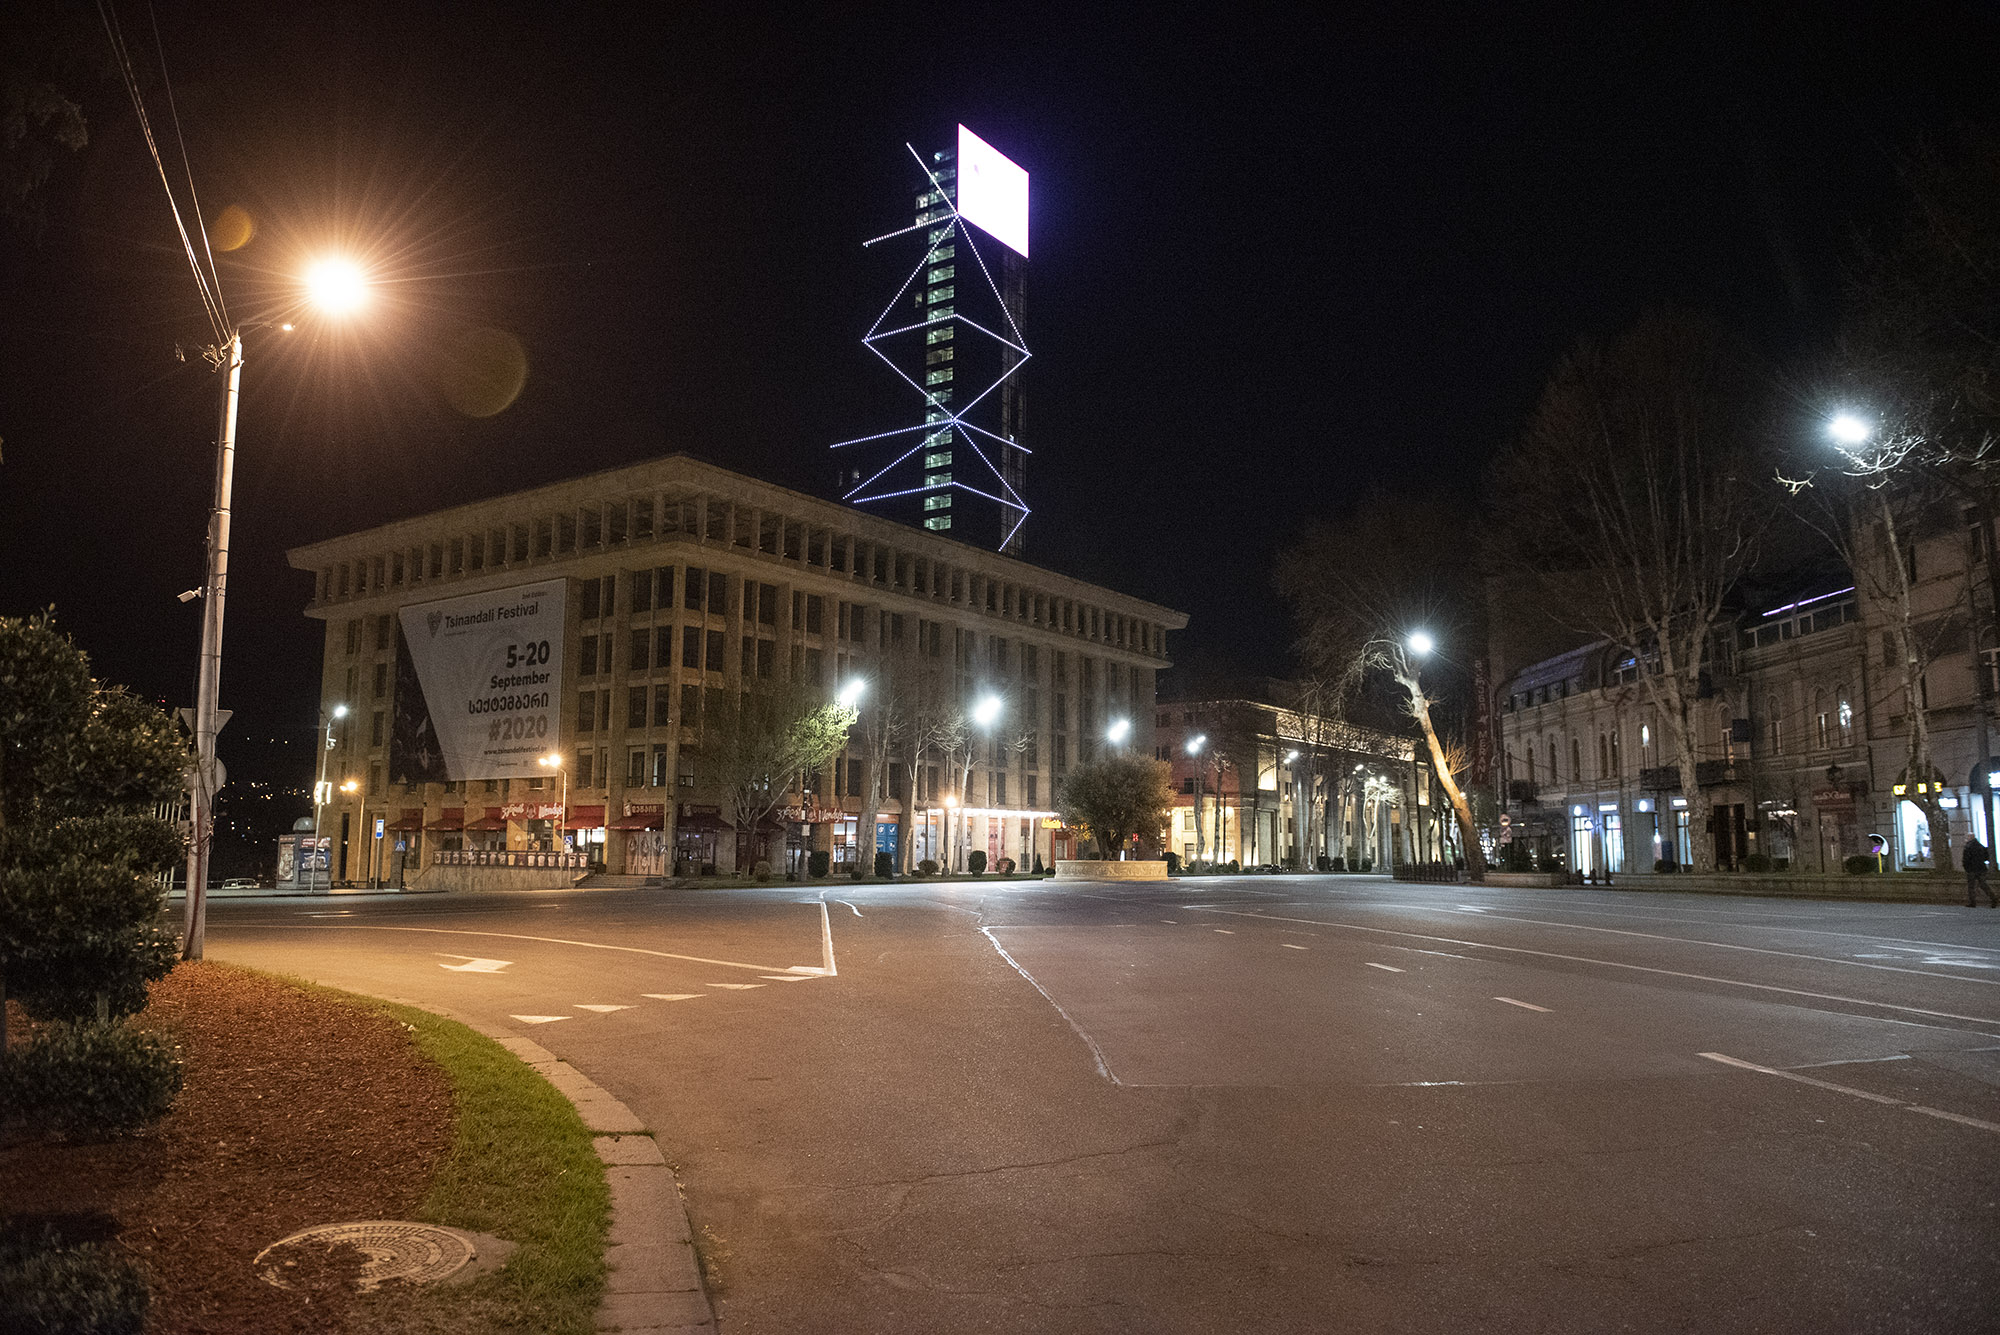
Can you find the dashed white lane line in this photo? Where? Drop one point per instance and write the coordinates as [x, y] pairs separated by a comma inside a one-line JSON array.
[[1224, 930], [736, 987], [540, 1019], [1849, 1090], [789, 977], [1608, 964], [1174, 921], [673, 996], [1385, 968], [1289, 946], [857, 912], [1524, 1005], [601, 1010], [549, 940]]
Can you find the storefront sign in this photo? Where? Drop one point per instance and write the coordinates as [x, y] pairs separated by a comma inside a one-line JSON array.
[[530, 810], [479, 681], [1833, 799]]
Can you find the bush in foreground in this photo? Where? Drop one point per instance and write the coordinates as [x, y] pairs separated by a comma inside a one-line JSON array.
[[47, 1288], [975, 862], [90, 1078]]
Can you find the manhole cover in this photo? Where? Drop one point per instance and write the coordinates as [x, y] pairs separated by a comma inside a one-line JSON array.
[[402, 1252]]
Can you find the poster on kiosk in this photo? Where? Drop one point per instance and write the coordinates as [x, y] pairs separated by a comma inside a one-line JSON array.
[[478, 682]]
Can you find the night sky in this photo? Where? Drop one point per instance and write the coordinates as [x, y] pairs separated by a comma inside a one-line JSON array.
[[1281, 260]]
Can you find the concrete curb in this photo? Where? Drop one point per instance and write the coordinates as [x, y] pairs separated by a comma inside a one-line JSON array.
[[654, 1287]]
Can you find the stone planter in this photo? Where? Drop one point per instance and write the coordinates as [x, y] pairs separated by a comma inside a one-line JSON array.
[[1082, 869]]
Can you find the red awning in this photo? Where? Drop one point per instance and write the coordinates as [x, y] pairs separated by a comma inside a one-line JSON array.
[[488, 823], [451, 818], [584, 818], [410, 820], [641, 820]]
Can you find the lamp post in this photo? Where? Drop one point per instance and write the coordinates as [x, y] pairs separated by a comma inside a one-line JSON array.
[[1119, 731], [351, 787], [984, 715], [553, 760], [322, 790], [1194, 746], [335, 286]]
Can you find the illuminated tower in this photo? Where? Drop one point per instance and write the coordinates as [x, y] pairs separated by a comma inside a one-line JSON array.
[[953, 333]]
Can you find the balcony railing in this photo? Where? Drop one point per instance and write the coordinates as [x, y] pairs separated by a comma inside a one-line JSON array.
[[1661, 779], [1710, 773]]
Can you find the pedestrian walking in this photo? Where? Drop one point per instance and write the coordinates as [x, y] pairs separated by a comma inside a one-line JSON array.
[[1976, 860]]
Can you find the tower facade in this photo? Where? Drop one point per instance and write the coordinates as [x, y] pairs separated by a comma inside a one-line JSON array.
[[954, 335]]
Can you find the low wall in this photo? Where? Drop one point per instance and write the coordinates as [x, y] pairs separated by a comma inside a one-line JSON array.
[[1522, 880], [1890, 887], [493, 878], [1139, 869]]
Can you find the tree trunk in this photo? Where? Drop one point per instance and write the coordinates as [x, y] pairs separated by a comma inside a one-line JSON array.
[[1920, 769], [1475, 856]]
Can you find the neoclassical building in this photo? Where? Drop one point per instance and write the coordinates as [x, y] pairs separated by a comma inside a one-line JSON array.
[[659, 589]]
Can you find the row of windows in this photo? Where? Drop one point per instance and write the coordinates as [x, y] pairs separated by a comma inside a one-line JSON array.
[[1830, 724], [610, 526]]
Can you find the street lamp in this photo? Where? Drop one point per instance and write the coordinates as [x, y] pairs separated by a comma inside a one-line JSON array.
[[1850, 430], [322, 790], [1194, 745], [850, 694], [336, 287], [553, 760], [1119, 730], [984, 715], [1421, 643]]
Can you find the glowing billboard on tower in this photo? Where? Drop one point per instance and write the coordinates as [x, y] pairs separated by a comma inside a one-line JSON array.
[[992, 191]]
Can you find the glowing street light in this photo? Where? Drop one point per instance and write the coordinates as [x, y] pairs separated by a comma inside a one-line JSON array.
[[987, 711], [322, 790], [1421, 643], [553, 760], [1119, 730], [1850, 430], [850, 694], [335, 286], [1195, 743]]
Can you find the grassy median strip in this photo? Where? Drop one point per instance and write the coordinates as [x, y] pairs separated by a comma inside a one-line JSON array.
[[523, 1168]]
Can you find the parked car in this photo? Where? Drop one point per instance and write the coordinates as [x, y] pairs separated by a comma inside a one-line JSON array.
[[241, 883]]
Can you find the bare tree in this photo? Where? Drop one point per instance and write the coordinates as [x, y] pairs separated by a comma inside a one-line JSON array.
[[1634, 502], [756, 745], [1363, 591], [887, 713]]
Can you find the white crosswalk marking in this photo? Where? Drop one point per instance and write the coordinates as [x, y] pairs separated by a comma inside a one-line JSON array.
[[540, 1019], [1385, 968], [673, 996], [1524, 1005], [737, 987], [1289, 946], [602, 1010]]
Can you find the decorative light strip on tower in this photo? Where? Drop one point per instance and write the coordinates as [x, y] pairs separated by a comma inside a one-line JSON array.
[[974, 187]]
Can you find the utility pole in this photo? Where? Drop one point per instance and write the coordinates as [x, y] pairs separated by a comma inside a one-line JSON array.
[[208, 681]]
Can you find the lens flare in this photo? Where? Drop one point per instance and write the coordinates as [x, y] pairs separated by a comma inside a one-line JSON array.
[[232, 229], [337, 286], [482, 372]]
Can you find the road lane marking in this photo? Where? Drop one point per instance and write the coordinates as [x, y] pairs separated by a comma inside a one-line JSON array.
[[540, 1019], [826, 938], [1289, 946], [1224, 930], [1614, 964], [1524, 1005], [673, 996], [601, 1010], [857, 912], [1096, 1053], [1849, 1090], [521, 936], [1175, 921], [473, 964], [1385, 968], [1725, 945], [789, 977], [735, 987], [809, 970]]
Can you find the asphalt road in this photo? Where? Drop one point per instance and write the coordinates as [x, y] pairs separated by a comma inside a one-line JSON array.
[[1260, 1103]]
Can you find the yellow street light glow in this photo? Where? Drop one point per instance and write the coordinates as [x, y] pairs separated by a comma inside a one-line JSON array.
[[550, 761], [951, 799], [351, 786], [337, 286]]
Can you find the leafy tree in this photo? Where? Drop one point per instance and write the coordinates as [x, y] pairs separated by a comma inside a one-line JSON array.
[[84, 768], [756, 746], [1116, 798]]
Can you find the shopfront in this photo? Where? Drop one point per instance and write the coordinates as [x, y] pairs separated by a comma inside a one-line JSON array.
[[697, 835], [644, 827]]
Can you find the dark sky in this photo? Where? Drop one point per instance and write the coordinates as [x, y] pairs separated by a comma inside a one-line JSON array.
[[1281, 259]]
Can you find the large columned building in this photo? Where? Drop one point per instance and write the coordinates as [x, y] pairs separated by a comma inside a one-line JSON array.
[[529, 677]]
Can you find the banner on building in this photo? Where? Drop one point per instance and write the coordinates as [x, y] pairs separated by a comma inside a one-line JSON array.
[[1482, 725], [478, 682]]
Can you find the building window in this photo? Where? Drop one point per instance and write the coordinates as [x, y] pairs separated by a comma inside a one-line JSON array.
[[381, 679], [584, 765], [635, 707], [586, 711], [691, 647], [641, 643], [1846, 717], [587, 667], [635, 768], [590, 607]]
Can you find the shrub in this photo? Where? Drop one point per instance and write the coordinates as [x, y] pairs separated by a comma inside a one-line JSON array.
[[1861, 864], [1006, 866], [1234, 866], [885, 866], [90, 1077], [47, 1288], [761, 870], [817, 863], [1665, 867], [928, 867], [975, 862], [1173, 863], [1757, 862], [1040, 870]]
